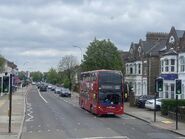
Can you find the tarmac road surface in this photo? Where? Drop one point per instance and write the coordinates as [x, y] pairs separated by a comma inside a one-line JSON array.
[[49, 116]]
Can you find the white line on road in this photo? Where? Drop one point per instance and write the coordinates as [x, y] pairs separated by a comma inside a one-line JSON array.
[[42, 96], [114, 137]]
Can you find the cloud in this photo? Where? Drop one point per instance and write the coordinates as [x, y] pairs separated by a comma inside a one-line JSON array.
[[45, 30], [46, 53]]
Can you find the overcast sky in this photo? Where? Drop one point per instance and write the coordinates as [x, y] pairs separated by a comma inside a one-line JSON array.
[[36, 34]]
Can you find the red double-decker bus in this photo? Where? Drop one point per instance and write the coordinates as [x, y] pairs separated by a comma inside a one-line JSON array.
[[101, 92]]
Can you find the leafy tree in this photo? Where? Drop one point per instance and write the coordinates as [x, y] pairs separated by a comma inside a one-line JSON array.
[[52, 76], [66, 66], [2, 62], [36, 76], [45, 75], [102, 54]]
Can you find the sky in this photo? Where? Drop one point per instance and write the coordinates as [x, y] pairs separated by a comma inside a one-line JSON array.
[[36, 34]]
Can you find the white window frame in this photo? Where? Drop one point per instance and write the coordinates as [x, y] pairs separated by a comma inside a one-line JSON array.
[[182, 63]]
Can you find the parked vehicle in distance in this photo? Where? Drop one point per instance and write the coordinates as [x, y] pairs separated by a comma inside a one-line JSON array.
[[53, 88], [49, 86], [33, 83], [65, 93], [140, 101], [38, 84], [43, 87], [58, 90], [150, 104]]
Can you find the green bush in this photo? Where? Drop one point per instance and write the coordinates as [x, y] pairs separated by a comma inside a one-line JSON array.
[[170, 105]]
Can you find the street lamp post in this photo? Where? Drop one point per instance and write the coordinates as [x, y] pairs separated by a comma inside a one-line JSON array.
[[80, 51]]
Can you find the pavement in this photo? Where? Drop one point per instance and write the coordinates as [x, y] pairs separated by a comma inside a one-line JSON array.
[[17, 114], [161, 121]]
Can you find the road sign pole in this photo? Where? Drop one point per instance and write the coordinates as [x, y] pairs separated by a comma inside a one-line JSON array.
[[176, 112], [156, 91], [178, 86], [10, 105], [155, 107]]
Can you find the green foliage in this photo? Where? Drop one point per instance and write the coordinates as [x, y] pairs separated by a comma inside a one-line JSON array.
[[170, 105], [36, 76], [66, 83], [102, 54], [52, 76], [67, 67], [2, 62]]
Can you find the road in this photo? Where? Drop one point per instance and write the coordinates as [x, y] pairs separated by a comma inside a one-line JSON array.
[[49, 116]]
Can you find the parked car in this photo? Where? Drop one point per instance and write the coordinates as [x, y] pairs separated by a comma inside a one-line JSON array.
[[57, 90], [43, 87], [53, 88], [38, 84], [150, 104], [49, 87], [140, 101], [33, 83], [65, 93]]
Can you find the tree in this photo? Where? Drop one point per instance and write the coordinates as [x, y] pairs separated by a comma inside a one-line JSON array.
[[102, 54], [2, 62], [52, 76], [36, 76], [22, 75], [66, 65]]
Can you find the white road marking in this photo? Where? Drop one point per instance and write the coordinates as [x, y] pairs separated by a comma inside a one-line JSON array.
[[29, 110], [113, 137], [42, 96], [39, 131], [49, 130], [30, 132]]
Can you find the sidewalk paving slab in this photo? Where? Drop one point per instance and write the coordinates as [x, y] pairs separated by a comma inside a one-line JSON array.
[[161, 122], [17, 114]]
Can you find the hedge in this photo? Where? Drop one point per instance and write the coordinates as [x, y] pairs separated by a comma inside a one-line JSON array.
[[170, 105]]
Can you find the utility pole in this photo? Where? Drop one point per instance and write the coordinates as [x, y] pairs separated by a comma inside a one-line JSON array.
[[10, 105], [80, 51], [178, 86], [158, 89]]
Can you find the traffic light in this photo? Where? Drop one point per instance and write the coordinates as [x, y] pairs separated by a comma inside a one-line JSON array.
[[159, 85], [6, 84], [178, 86]]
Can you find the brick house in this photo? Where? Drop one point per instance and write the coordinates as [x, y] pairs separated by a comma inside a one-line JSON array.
[[143, 64], [172, 65]]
